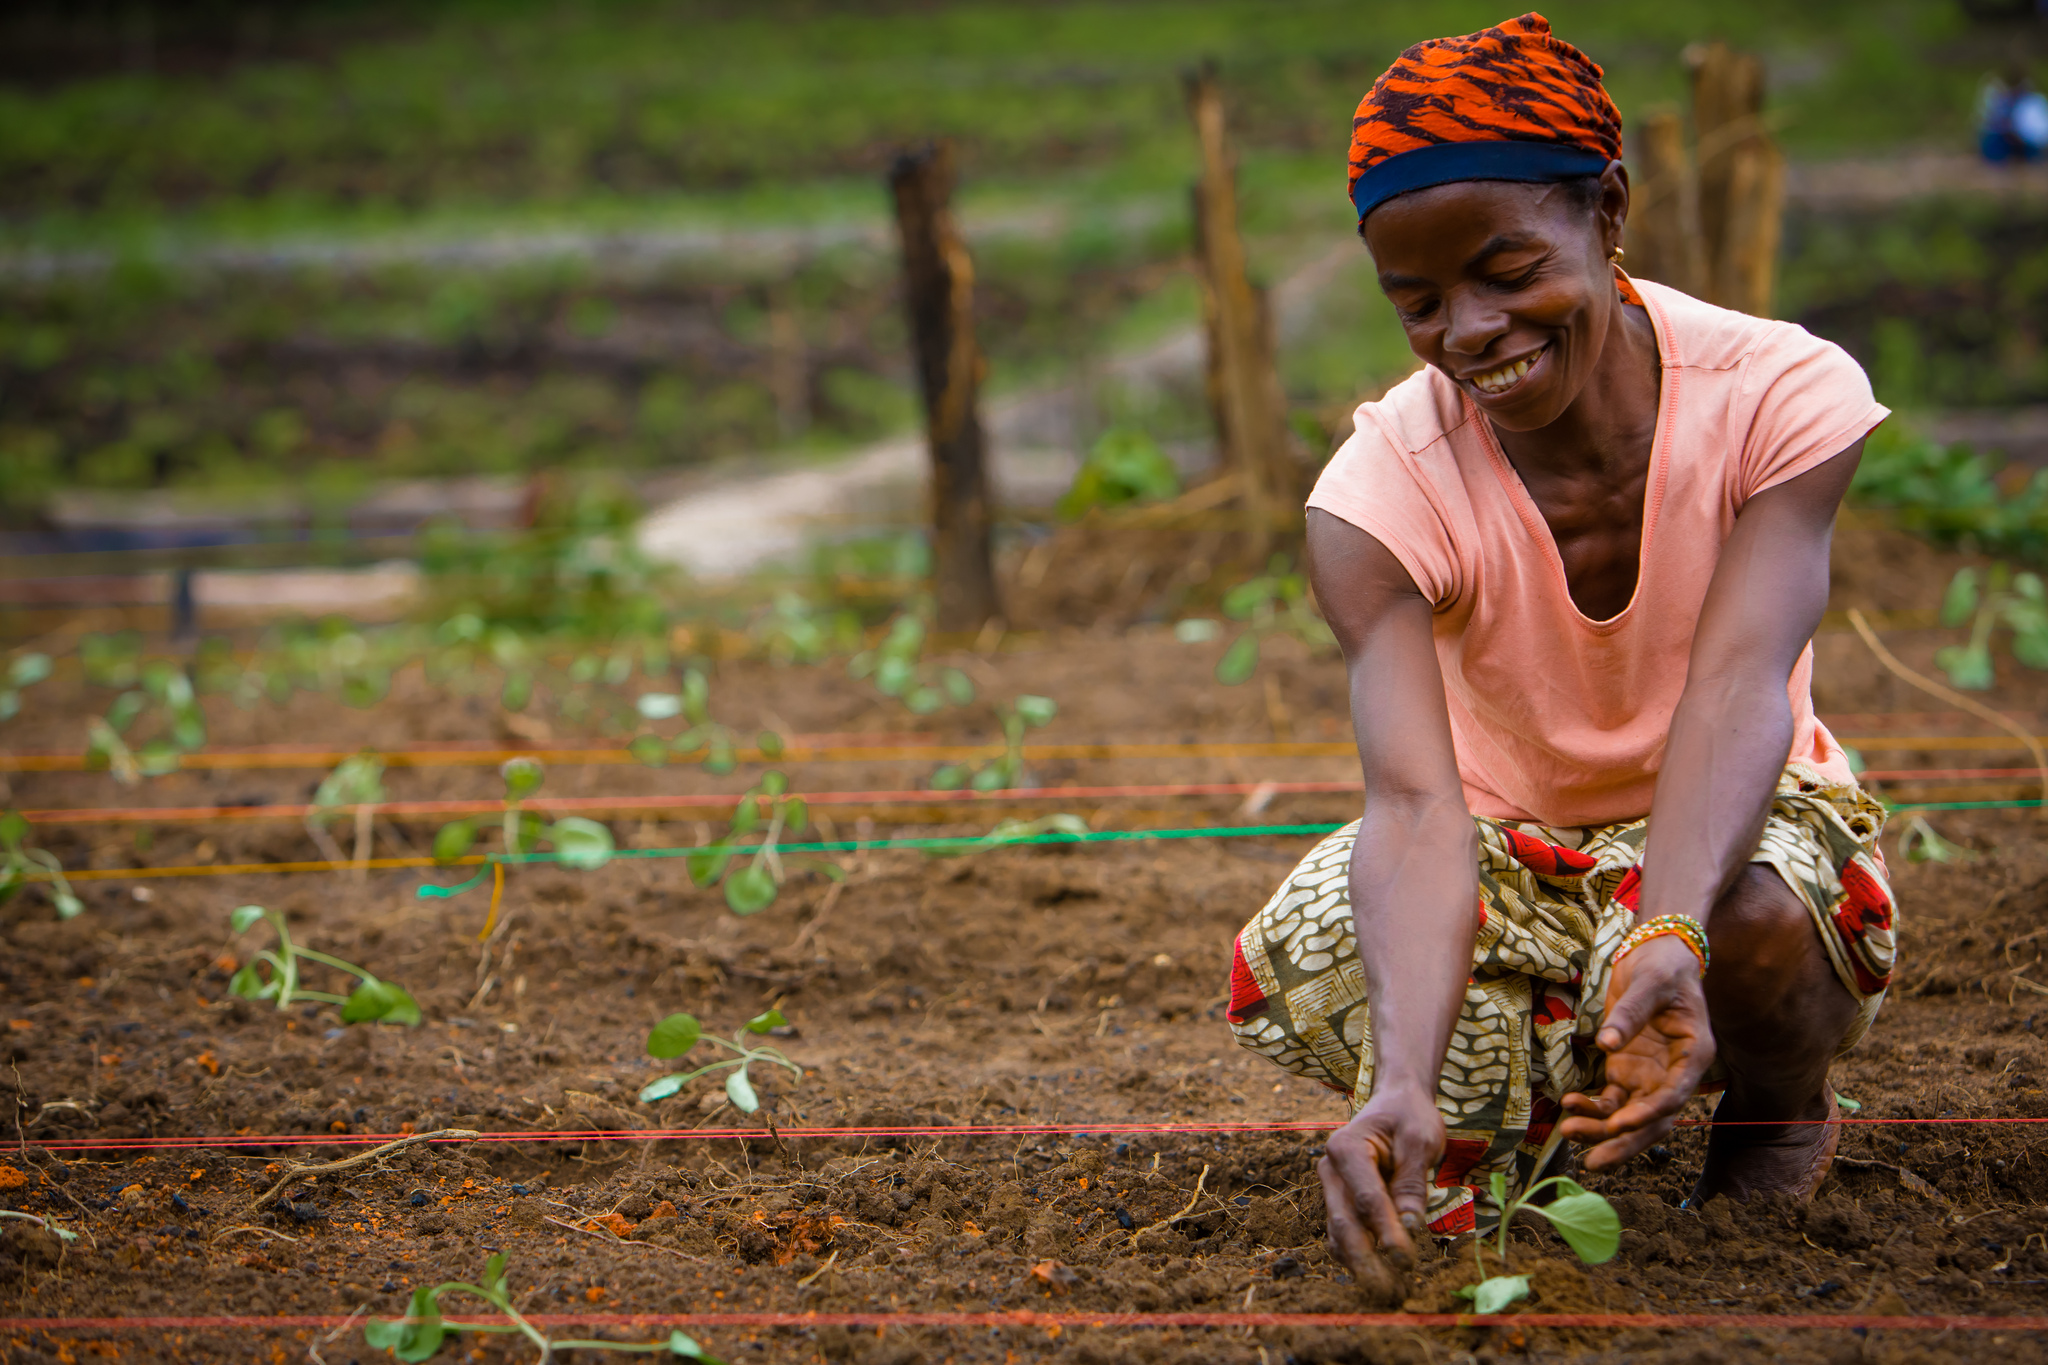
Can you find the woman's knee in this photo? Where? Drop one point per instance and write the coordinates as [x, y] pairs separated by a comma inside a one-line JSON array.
[[1769, 969]]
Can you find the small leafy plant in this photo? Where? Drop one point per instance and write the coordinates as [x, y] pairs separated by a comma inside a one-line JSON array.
[[1996, 598], [1024, 714], [372, 1001], [1276, 602], [1586, 1221], [19, 863], [357, 781], [718, 743], [165, 685], [753, 888], [419, 1334], [899, 669], [26, 671], [678, 1033], [578, 843]]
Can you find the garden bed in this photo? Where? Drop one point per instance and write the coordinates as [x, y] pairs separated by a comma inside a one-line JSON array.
[[1069, 987]]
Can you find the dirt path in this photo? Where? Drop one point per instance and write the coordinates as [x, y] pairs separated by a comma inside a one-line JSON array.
[[739, 520]]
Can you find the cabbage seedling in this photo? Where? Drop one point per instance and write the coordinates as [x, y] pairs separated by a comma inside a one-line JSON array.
[[718, 744], [899, 670], [371, 1001], [678, 1033], [1025, 713], [19, 863], [753, 888], [419, 1334], [166, 685], [579, 843], [356, 781], [1276, 602], [1586, 1221]]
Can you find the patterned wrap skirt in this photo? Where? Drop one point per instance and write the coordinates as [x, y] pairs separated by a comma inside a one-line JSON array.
[[1553, 904]]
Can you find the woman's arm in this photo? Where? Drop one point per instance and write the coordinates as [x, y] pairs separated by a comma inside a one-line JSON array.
[[1728, 744], [1414, 893]]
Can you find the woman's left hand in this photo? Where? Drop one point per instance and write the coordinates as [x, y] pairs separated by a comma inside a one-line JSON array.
[[1658, 1046]]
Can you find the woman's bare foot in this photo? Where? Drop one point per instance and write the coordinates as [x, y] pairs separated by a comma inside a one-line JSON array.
[[1745, 1162]]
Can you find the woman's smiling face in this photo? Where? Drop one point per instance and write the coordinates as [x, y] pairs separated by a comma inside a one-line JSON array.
[[1505, 287]]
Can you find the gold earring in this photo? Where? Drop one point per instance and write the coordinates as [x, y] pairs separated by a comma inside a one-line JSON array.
[[1616, 256]]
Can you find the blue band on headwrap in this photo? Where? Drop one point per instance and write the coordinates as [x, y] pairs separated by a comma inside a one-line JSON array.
[[1444, 162]]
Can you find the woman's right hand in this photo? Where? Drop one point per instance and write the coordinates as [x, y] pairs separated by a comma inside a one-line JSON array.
[[1375, 1186]]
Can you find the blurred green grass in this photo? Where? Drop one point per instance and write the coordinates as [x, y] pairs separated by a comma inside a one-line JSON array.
[[772, 108], [464, 122]]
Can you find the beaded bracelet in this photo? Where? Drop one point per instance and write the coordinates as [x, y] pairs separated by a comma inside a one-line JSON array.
[[1683, 927]]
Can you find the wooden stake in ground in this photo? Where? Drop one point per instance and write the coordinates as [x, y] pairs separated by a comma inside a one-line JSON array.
[[1244, 386], [938, 278], [1741, 178], [1664, 213]]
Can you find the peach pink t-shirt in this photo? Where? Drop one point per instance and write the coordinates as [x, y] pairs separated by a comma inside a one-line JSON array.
[[1555, 717]]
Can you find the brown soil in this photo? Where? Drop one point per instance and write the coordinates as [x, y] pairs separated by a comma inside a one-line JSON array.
[[1067, 984]]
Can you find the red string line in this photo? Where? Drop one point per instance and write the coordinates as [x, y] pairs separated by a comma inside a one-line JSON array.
[[145, 1144], [1024, 1317]]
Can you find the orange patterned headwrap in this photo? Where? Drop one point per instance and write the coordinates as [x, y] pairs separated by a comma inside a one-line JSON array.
[[1511, 102]]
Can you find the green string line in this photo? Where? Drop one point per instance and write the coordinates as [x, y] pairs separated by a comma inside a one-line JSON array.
[[1094, 836], [429, 890]]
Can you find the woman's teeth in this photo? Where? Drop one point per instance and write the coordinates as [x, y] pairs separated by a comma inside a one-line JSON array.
[[1506, 377]]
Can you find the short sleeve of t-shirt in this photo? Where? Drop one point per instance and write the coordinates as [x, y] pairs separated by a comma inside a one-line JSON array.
[[1377, 487], [1812, 402]]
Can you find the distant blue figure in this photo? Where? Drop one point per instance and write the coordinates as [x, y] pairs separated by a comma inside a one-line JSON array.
[[2012, 118]]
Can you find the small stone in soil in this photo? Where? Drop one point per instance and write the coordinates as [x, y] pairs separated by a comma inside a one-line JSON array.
[[1286, 1268], [418, 1199]]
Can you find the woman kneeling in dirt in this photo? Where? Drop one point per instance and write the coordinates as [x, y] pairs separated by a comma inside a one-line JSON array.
[[1574, 562]]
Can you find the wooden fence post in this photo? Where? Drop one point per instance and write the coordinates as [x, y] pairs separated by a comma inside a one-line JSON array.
[[1664, 216], [1741, 178], [938, 278], [1244, 385]]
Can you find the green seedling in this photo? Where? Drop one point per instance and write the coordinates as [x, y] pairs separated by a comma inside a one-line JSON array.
[[371, 1001], [1921, 844], [718, 744], [1001, 773], [578, 843], [1275, 603], [19, 864], [753, 888], [585, 845], [420, 1333], [357, 782], [1997, 598], [166, 686], [792, 631], [1586, 1221], [26, 671], [898, 669], [678, 1033]]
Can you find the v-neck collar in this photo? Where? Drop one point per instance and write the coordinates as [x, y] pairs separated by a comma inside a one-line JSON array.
[[1653, 486]]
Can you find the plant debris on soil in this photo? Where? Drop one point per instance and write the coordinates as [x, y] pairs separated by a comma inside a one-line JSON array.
[[1071, 985]]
